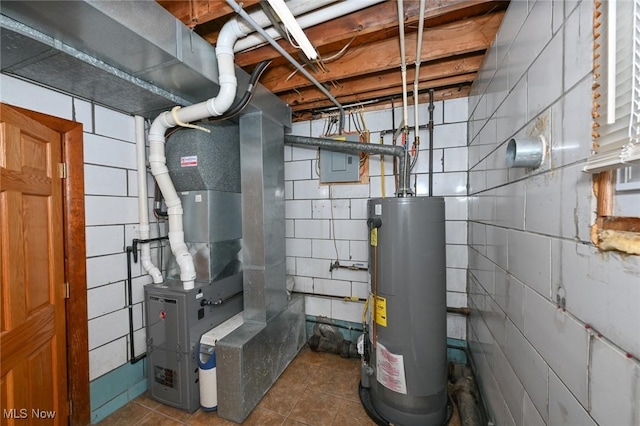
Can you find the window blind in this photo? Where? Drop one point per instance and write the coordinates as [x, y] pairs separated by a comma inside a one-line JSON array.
[[616, 86]]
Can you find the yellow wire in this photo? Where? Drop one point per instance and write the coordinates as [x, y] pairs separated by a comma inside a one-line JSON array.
[[364, 311]]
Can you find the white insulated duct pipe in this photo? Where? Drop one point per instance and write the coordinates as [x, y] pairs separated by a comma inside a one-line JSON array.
[[229, 33], [143, 203], [309, 20], [416, 80]]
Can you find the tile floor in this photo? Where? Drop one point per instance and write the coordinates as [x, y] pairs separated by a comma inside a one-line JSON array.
[[316, 389]]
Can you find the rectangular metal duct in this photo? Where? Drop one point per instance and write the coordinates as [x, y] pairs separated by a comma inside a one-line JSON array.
[[133, 56]]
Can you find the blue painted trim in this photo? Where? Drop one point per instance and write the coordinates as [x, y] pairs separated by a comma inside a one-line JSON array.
[[109, 408], [115, 389]]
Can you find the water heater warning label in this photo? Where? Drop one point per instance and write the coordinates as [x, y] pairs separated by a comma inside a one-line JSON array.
[[381, 311], [390, 370], [189, 161]]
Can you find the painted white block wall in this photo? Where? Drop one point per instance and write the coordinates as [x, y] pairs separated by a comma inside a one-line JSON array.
[[325, 219], [529, 236], [111, 212]]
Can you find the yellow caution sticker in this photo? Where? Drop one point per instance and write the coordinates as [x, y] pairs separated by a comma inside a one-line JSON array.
[[381, 311], [374, 237]]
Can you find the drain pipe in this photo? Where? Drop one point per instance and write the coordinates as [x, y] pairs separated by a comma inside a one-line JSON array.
[[213, 107], [238, 9], [143, 202]]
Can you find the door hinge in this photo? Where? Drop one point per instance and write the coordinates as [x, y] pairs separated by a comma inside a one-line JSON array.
[[62, 170], [67, 290]]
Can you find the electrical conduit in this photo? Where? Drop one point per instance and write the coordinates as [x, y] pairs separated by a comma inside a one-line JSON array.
[[230, 32], [143, 203]]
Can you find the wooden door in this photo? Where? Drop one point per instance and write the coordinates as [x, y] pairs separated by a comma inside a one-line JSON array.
[[32, 348]]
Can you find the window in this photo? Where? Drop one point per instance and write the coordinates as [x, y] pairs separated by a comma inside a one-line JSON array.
[[616, 126]]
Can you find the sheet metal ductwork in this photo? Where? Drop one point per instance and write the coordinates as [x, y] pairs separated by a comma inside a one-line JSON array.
[[132, 56]]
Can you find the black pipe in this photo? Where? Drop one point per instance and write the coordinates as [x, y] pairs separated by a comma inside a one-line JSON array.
[[237, 107], [336, 325], [209, 302], [431, 108], [133, 249]]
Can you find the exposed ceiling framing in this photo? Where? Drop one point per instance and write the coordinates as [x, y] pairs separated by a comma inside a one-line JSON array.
[[456, 37]]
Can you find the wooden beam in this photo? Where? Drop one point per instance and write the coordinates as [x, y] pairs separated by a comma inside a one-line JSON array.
[[453, 67], [387, 92], [439, 95], [467, 36], [197, 12], [379, 18]]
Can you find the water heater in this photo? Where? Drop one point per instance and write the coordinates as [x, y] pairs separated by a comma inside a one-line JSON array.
[[404, 373]]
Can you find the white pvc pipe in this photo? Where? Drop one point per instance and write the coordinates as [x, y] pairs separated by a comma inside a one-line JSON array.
[[403, 64], [143, 203], [416, 80], [213, 107], [297, 7], [309, 20]]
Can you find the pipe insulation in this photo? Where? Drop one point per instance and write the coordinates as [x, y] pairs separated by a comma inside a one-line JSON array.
[[143, 202], [216, 106]]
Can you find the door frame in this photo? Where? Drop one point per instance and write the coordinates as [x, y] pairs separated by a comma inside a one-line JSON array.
[[75, 265]]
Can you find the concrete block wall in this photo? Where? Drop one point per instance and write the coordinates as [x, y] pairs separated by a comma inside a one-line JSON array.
[[322, 220], [529, 236], [111, 214]]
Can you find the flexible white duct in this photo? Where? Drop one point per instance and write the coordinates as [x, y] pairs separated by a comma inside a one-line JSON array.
[[213, 107], [309, 20], [143, 203]]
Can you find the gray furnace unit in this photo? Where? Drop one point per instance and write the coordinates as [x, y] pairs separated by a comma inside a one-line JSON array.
[[205, 169], [404, 370]]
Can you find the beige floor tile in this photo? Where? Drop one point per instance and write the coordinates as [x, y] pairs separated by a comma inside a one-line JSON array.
[[129, 414]]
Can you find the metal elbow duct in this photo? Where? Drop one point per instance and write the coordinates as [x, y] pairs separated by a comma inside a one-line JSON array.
[[216, 106]]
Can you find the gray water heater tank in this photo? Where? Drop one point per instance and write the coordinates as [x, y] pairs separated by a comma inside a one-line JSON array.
[[407, 341]]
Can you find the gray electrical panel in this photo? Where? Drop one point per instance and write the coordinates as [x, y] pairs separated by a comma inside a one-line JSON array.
[[340, 166]]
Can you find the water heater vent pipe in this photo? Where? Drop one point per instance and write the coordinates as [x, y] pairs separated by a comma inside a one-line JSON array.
[[213, 107]]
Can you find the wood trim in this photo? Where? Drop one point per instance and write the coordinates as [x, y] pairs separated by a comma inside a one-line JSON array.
[[75, 263], [616, 223]]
